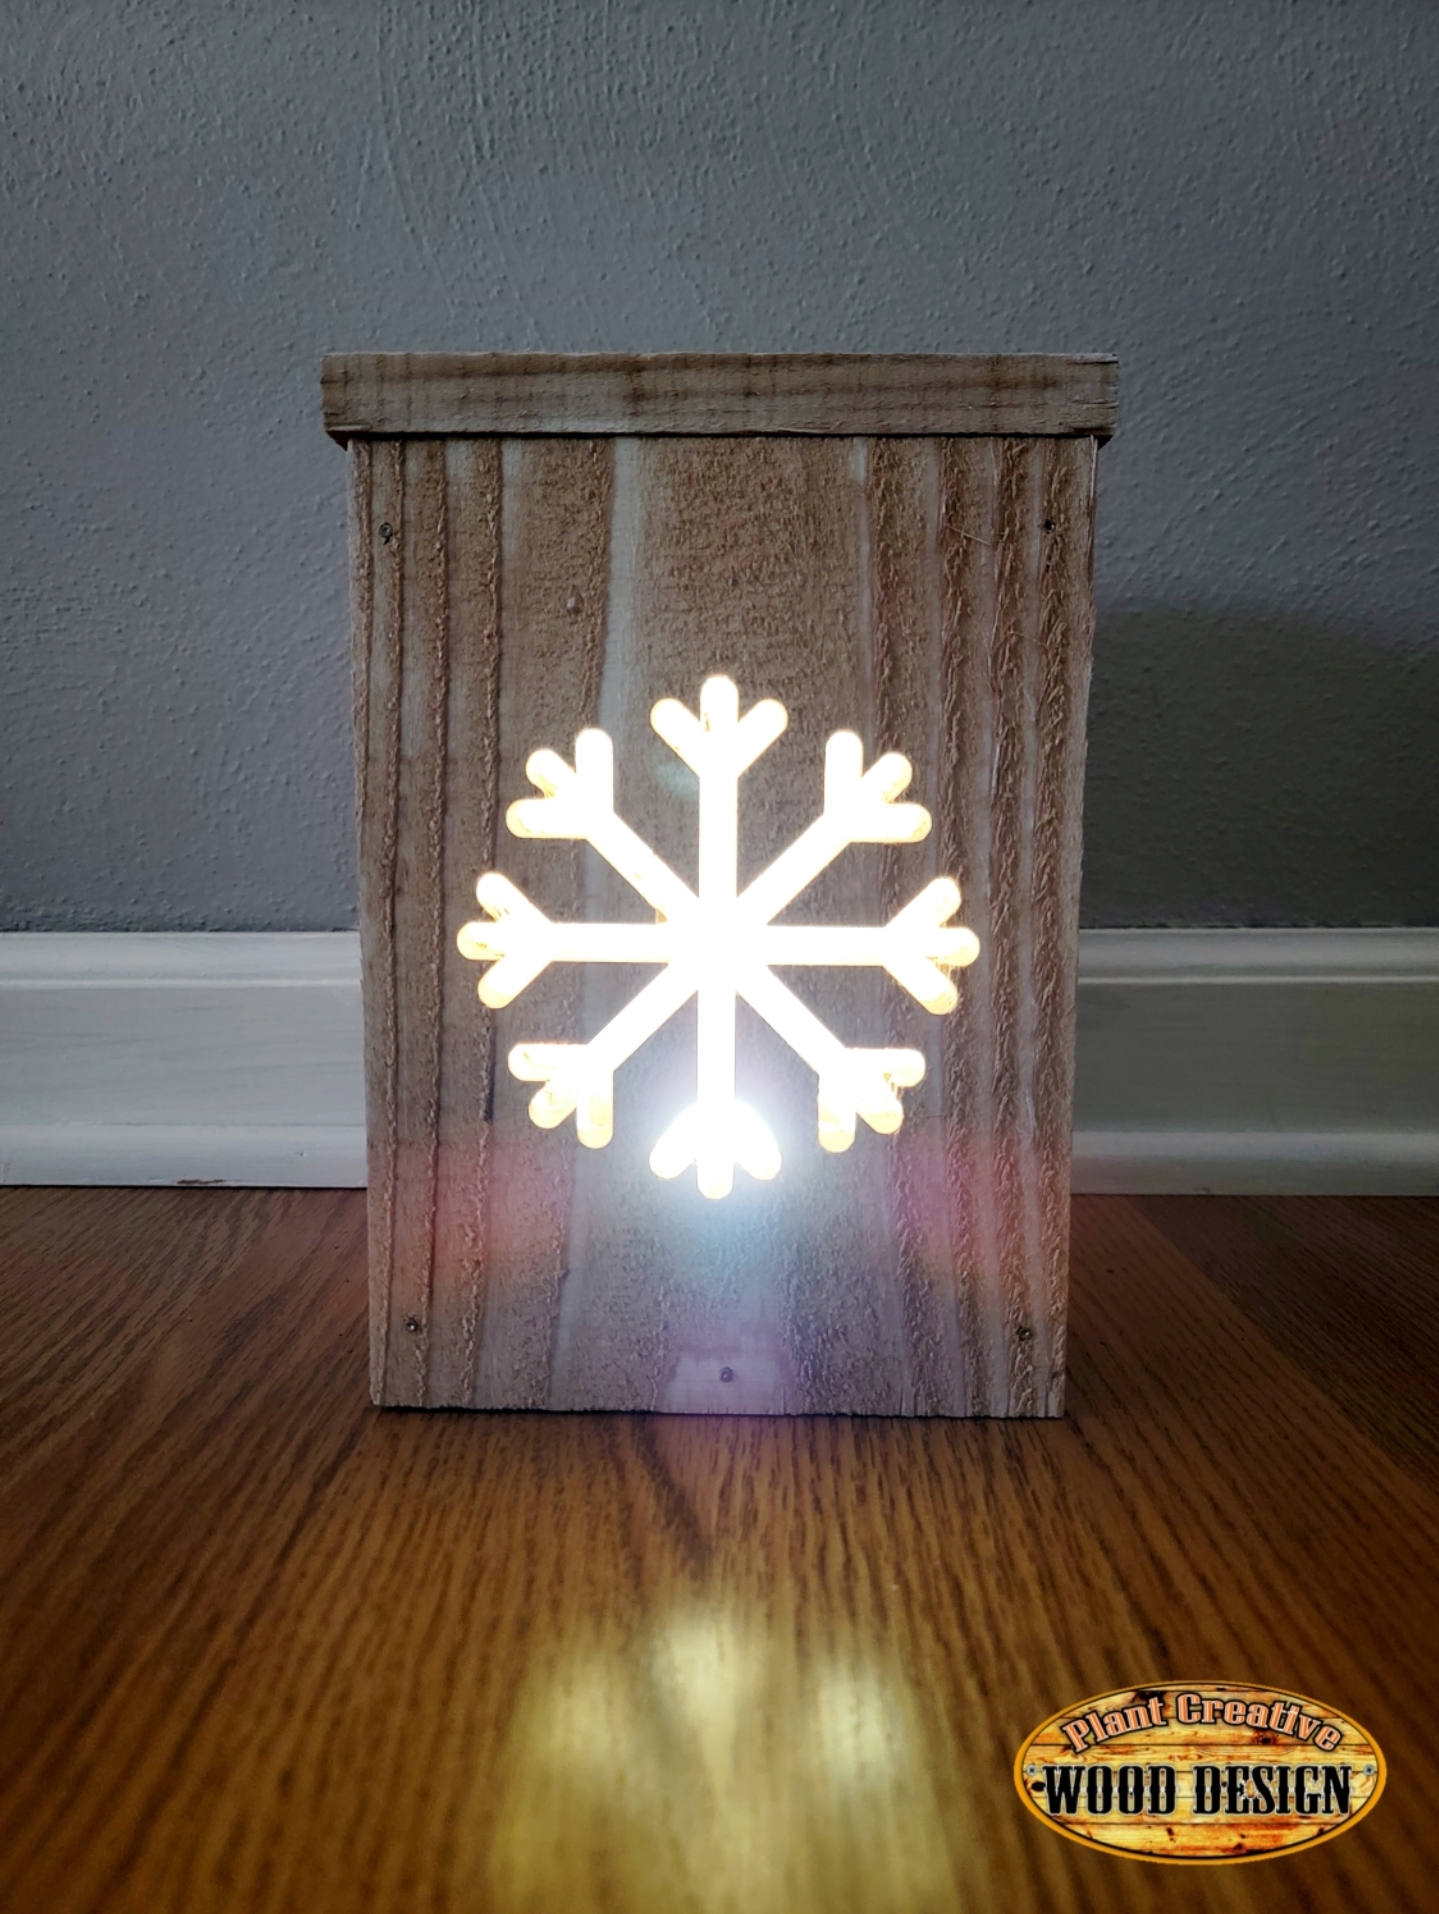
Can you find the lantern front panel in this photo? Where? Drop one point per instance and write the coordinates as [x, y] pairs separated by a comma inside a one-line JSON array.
[[931, 595]]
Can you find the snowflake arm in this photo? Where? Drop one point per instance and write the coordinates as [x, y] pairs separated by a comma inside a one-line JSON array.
[[859, 808], [719, 743], [522, 941], [852, 1082], [916, 946], [581, 1076], [719, 746], [580, 804]]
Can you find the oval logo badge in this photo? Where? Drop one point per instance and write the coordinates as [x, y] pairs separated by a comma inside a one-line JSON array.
[[1200, 1771]]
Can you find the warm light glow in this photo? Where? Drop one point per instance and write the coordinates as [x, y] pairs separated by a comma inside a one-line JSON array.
[[718, 944]]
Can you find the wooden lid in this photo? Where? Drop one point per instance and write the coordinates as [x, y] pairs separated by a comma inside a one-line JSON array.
[[402, 394]]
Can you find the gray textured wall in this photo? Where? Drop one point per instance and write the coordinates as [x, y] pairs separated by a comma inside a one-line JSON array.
[[1238, 198]]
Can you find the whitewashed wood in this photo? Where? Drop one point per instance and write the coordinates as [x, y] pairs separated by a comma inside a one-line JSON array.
[[389, 394], [933, 594], [143, 1057]]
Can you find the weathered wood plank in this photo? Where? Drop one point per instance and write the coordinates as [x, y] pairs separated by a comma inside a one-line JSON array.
[[390, 394], [1013, 668], [418, 913], [378, 611], [981, 586], [554, 607], [1064, 648], [734, 556], [464, 1168], [932, 594], [904, 500]]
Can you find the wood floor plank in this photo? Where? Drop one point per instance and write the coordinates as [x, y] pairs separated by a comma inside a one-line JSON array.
[[1355, 1305], [265, 1648]]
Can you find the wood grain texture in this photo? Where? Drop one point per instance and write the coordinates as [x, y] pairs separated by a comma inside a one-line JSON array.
[[557, 513], [391, 394], [264, 1649], [933, 594]]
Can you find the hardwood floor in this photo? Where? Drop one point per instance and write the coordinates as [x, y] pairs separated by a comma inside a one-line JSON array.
[[267, 1648]]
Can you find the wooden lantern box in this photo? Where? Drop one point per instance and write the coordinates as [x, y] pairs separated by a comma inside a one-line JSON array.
[[896, 548]]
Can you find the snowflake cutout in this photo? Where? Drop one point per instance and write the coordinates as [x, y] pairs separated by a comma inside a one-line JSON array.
[[718, 944]]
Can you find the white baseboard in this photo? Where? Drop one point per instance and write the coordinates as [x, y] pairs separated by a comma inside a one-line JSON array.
[[1223, 1060], [1258, 1061], [158, 1058], [1257, 1162]]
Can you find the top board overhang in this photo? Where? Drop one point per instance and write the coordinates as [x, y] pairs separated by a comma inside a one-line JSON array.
[[594, 395]]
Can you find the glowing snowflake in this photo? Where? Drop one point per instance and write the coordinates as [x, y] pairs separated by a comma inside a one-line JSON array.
[[720, 944]]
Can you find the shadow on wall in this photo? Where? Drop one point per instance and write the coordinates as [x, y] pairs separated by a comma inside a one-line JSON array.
[[1225, 783]]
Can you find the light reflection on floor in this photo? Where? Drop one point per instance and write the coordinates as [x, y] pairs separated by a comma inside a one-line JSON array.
[[713, 1763]]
